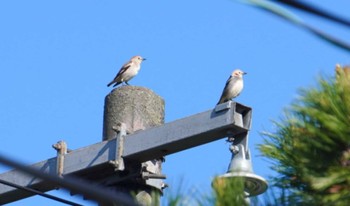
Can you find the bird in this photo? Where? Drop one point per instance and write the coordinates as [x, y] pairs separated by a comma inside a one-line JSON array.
[[128, 71], [233, 87]]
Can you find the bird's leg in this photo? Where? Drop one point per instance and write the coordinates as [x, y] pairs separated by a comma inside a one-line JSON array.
[[127, 83]]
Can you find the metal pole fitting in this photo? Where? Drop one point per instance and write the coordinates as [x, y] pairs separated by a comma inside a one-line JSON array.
[[61, 148], [120, 130]]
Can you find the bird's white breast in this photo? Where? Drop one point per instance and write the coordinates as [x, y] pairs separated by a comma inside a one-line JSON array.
[[237, 87], [131, 72]]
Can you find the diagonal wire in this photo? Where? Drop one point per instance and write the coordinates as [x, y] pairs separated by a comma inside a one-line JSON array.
[[94, 192], [39, 193], [307, 7], [285, 14]]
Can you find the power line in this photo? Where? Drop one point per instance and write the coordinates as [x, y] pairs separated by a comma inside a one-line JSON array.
[[272, 7], [315, 10], [39, 193], [94, 192]]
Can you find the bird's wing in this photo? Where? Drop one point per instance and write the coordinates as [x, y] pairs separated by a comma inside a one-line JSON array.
[[225, 90], [228, 81], [124, 68]]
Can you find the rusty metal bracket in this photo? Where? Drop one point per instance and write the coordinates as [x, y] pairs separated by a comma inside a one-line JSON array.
[[121, 132], [61, 148]]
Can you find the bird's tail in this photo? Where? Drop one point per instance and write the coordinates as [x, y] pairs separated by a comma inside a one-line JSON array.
[[116, 84], [110, 83]]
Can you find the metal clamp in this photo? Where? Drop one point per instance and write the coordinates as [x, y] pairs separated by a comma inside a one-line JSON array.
[[147, 175], [61, 148], [121, 132]]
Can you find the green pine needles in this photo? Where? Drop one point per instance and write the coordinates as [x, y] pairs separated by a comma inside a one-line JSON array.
[[311, 145]]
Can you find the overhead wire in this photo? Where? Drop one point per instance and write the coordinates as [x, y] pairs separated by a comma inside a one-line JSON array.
[[37, 192], [272, 7], [95, 192], [312, 9]]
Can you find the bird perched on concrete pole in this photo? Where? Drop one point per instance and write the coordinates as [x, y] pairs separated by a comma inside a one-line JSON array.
[[128, 71], [233, 87]]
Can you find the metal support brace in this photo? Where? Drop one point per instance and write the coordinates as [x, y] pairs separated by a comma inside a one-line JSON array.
[[93, 161], [240, 165], [118, 163], [61, 148], [147, 175], [242, 119], [236, 142]]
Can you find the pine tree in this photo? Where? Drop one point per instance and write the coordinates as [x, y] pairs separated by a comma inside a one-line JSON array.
[[310, 148]]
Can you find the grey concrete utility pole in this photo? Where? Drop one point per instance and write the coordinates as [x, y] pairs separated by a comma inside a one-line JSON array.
[[137, 108], [135, 142]]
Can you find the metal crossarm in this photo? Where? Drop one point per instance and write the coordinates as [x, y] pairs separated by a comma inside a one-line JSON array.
[[93, 162]]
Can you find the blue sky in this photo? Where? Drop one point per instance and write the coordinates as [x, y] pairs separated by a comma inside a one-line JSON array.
[[56, 58]]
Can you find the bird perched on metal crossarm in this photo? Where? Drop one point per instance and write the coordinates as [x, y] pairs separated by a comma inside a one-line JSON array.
[[128, 71], [233, 87]]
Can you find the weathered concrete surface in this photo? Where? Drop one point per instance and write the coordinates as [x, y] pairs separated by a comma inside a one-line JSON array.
[[138, 107]]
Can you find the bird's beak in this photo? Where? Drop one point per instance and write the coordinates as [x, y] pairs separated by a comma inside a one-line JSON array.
[[245, 73], [143, 59]]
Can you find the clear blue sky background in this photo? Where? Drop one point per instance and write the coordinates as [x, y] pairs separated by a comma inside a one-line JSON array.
[[56, 58]]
